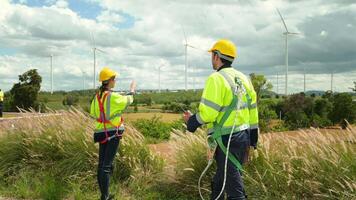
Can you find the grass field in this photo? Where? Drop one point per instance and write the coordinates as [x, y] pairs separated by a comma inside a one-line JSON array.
[[53, 158]]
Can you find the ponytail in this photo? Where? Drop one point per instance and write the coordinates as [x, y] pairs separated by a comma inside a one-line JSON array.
[[103, 88]]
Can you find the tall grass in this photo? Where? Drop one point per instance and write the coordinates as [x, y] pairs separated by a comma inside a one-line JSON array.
[[308, 164], [58, 150]]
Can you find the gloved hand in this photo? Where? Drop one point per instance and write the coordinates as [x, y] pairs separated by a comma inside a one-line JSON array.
[[254, 137]]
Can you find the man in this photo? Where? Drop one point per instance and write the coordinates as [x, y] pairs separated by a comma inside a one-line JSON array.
[[228, 107], [1, 101]]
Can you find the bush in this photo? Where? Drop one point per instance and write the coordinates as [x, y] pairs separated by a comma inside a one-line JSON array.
[[70, 100], [175, 107], [153, 128], [297, 119], [298, 110], [266, 112], [318, 121]]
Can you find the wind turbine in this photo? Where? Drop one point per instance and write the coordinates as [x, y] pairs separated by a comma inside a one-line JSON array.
[[51, 59], [94, 54], [159, 77], [286, 34], [277, 83], [331, 81], [83, 74], [304, 81], [186, 45]]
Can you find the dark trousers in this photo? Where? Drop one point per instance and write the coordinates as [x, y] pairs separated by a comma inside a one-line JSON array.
[[1, 108], [234, 186], [107, 154]]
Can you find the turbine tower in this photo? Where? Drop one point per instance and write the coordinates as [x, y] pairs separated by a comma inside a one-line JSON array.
[[159, 77], [186, 45], [287, 33], [331, 81], [304, 81], [94, 54], [51, 57]]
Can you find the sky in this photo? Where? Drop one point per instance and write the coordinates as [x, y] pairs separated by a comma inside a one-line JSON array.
[[138, 36]]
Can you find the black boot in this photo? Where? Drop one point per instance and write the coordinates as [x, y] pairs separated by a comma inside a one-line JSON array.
[[111, 197]]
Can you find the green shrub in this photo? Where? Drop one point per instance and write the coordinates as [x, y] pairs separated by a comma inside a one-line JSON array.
[[317, 121], [70, 100], [175, 107], [298, 110], [178, 125], [153, 128], [266, 112]]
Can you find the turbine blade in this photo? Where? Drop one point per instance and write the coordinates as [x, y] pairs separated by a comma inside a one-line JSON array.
[[192, 46], [185, 37], [290, 33], [284, 23], [92, 39], [101, 51]]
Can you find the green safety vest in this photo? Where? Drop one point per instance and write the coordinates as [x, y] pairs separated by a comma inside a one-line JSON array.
[[113, 104], [1, 96], [218, 108]]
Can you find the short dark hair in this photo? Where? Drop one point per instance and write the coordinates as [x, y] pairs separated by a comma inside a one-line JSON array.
[[225, 62]]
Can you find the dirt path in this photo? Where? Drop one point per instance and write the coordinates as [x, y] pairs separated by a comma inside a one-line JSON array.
[[167, 152]]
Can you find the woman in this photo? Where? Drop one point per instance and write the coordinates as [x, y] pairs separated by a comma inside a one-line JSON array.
[[107, 107]]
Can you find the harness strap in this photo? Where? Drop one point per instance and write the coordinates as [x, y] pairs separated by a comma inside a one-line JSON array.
[[105, 121], [218, 132]]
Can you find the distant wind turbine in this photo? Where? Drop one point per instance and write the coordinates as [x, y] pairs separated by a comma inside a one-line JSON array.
[[287, 33], [83, 74], [51, 59], [159, 77], [94, 53], [186, 45]]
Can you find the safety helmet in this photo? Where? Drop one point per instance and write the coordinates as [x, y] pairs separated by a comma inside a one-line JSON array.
[[106, 74], [224, 48]]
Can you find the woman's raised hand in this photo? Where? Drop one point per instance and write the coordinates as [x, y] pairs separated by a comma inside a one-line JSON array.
[[133, 86]]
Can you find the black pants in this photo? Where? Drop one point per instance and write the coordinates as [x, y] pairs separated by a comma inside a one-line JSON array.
[[1, 108], [107, 154], [234, 186]]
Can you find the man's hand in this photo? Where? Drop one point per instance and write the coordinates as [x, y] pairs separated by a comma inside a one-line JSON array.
[[186, 116]]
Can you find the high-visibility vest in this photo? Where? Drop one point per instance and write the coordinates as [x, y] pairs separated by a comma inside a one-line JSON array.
[[228, 99], [1, 96], [218, 95], [113, 106]]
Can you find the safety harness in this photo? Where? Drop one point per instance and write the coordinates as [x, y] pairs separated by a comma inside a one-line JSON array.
[[219, 130], [215, 138], [103, 119]]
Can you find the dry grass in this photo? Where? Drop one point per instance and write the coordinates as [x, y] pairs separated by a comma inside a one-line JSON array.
[[60, 145], [305, 164]]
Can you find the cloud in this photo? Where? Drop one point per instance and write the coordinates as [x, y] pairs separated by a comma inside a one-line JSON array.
[[326, 42]]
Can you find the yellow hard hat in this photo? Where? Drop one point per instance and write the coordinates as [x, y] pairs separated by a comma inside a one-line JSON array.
[[106, 74], [225, 47]]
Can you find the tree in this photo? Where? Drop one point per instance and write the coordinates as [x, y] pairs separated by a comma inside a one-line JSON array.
[[260, 84], [24, 94], [343, 109], [298, 110], [354, 88]]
